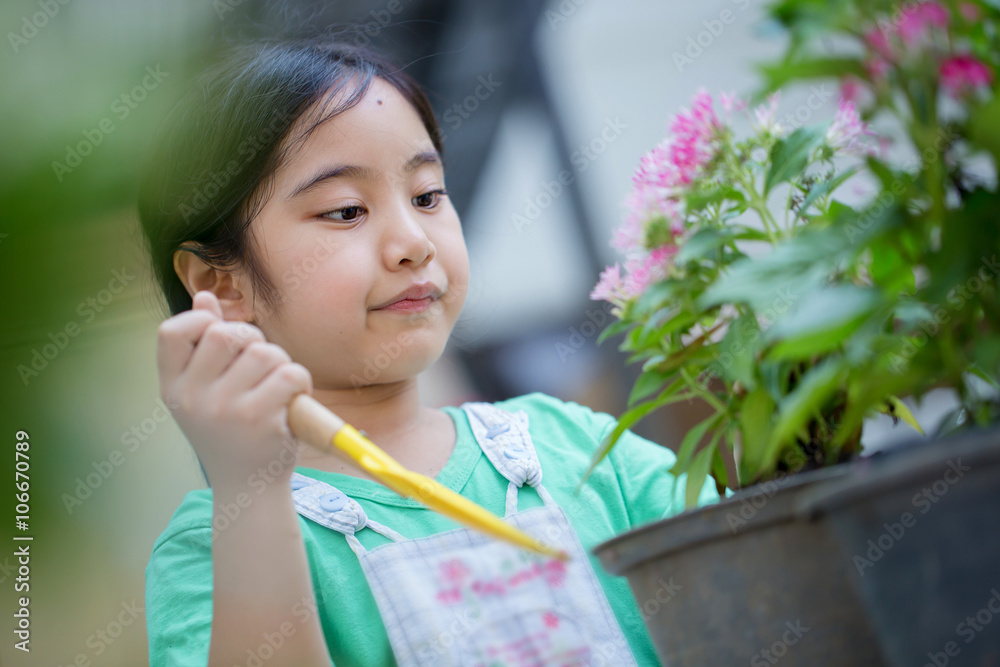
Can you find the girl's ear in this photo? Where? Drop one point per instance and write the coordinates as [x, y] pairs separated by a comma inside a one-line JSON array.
[[230, 287]]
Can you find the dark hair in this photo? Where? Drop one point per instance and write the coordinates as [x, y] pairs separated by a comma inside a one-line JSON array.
[[210, 171]]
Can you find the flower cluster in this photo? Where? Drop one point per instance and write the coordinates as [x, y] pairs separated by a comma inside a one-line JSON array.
[[922, 31], [663, 173], [795, 323], [698, 153]]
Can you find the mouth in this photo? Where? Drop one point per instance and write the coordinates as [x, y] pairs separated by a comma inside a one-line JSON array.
[[415, 299]]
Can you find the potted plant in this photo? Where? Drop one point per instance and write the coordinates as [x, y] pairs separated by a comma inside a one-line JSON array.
[[754, 284]]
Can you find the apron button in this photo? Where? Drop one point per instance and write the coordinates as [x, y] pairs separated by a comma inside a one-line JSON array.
[[514, 452], [333, 502], [299, 483], [494, 431]]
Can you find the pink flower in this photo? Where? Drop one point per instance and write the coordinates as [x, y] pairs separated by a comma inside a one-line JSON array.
[[676, 161], [846, 132], [670, 166], [690, 147], [645, 202], [879, 43], [645, 271], [766, 114], [454, 571], [964, 72], [915, 24], [609, 287], [850, 89], [970, 12], [730, 102], [876, 68]]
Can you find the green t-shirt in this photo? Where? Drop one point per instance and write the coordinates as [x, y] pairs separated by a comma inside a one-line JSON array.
[[628, 489]]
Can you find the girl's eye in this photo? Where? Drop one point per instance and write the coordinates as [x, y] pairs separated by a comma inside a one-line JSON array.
[[429, 199], [346, 214]]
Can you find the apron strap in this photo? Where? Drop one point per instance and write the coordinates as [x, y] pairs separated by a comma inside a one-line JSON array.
[[504, 438], [327, 506]]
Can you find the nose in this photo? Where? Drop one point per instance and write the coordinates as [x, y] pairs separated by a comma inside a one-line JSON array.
[[405, 241]]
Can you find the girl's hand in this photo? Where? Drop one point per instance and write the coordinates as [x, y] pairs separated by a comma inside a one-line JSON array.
[[229, 390]]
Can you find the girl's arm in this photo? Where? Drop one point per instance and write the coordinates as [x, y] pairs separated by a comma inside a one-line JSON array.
[[229, 391], [262, 592]]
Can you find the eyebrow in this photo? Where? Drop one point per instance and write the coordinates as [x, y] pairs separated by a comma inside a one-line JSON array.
[[362, 173]]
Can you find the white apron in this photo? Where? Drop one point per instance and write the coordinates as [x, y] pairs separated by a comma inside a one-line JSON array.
[[463, 598]]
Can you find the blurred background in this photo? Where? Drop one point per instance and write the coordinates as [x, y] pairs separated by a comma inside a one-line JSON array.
[[546, 108]]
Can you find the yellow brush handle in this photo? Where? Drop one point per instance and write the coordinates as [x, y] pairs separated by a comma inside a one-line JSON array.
[[311, 422]]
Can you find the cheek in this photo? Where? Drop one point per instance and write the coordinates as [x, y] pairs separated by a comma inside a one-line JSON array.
[[321, 273], [454, 255]]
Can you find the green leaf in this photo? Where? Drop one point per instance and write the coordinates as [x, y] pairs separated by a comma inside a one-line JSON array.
[[690, 442], [702, 243], [650, 381], [823, 188], [630, 417], [697, 200], [822, 321], [697, 474], [735, 355], [890, 271], [790, 155], [656, 295], [756, 416], [719, 467], [813, 390], [614, 328], [792, 266], [983, 127], [776, 76], [896, 408]]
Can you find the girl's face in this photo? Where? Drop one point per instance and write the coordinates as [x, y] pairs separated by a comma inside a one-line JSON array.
[[364, 246]]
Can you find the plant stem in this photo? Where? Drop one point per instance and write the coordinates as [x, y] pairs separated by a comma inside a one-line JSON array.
[[708, 396]]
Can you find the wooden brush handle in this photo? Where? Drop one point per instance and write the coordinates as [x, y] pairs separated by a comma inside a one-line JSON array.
[[312, 423]]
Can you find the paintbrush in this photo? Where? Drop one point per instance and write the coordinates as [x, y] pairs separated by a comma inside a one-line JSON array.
[[311, 422]]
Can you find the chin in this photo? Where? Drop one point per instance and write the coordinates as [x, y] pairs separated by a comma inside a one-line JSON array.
[[395, 360]]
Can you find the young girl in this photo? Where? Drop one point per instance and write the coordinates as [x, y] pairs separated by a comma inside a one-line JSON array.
[[300, 229]]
